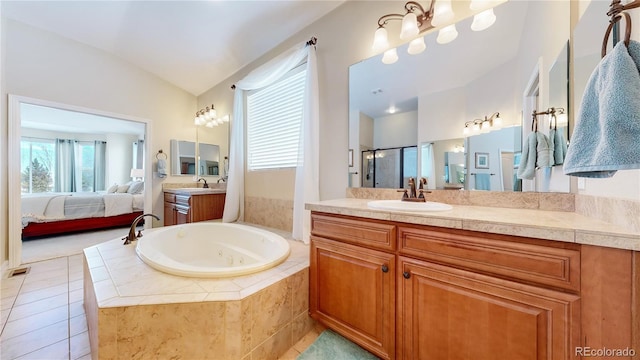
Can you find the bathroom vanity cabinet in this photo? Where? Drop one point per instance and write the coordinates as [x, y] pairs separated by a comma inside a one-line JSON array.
[[405, 291], [186, 206]]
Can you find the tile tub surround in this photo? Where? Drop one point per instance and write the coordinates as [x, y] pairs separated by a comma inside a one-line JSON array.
[[273, 213], [542, 224], [136, 311]]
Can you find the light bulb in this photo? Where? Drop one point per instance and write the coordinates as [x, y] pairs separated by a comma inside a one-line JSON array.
[[380, 40], [212, 112], [483, 20], [196, 120], [409, 26], [476, 127], [442, 13], [390, 56], [447, 34], [416, 46], [497, 121], [465, 131]]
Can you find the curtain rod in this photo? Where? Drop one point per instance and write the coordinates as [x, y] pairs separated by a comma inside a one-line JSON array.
[[313, 41]]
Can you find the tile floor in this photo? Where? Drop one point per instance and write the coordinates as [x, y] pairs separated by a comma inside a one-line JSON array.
[[42, 315]]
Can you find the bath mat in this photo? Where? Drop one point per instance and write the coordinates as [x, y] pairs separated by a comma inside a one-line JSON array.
[[330, 345]]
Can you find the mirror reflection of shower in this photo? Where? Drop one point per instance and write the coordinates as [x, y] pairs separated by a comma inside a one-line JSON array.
[[389, 168]]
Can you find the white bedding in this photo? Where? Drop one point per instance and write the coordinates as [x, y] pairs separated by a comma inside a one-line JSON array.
[[51, 206]]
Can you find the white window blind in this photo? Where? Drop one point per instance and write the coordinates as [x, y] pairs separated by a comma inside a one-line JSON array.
[[274, 115]]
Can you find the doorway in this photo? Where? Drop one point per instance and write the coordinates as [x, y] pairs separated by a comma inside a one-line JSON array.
[[35, 121]]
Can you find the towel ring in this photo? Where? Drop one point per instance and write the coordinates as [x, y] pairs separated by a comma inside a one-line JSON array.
[[627, 33], [160, 153]]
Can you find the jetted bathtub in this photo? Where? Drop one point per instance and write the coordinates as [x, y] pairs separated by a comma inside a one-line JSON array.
[[211, 249]]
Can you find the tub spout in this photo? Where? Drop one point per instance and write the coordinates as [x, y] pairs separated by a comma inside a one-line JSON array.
[[132, 231]]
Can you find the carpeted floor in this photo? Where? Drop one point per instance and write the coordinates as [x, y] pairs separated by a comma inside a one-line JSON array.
[[330, 345], [66, 245]]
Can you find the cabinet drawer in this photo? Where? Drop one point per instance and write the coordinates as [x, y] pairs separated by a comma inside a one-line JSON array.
[[169, 197], [183, 199], [516, 258], [367, 233]]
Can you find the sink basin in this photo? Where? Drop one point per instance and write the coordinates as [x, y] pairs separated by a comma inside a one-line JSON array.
[[400, 205]]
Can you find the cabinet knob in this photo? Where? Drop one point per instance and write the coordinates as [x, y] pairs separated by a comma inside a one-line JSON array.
[[406, 274], [385, 268]]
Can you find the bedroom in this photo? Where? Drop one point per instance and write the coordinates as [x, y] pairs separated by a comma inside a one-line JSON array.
[[77, 175]]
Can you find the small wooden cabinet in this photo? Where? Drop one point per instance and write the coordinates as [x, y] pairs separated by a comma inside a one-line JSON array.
[[184, 207], [406, 291], [349, 278]]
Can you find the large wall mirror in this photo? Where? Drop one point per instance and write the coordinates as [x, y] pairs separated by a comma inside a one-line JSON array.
[[422, 103], [184, 155]]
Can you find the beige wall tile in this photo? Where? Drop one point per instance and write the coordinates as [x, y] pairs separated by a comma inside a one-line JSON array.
[[271, 310], [300, 292], [190, 330], [274, 346], [301, 325]]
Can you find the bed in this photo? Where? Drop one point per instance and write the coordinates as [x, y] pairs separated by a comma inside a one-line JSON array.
[[48, 214]]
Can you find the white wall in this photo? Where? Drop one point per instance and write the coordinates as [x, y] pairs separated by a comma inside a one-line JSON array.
[[119, 158], [395, 130], [42, 65], [336, 52]]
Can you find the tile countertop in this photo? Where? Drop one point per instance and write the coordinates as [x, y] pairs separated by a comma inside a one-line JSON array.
[[540, 224], [195, 191]]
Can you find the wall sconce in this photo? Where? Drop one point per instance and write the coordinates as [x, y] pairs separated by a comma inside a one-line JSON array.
[[209, 117], [557, 117], [483, 125], [417, 20]]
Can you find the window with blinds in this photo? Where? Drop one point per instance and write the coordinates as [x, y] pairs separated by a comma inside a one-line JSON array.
[[274, 115]]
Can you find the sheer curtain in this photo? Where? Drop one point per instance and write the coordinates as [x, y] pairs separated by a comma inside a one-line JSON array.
[[99, 165], [258, 78], [307, 186], [67, 179], [428, 165]]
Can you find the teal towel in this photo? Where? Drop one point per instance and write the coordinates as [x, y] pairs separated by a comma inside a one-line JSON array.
[[483, 182], [536, 153], [606, 137], [559, 146]]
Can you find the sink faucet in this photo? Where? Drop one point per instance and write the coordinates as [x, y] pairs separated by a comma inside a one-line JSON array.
[[205, 186], [132, 231], [412, 193], [223, 179]]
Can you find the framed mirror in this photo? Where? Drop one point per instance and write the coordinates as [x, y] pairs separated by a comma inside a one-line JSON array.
[[183, 159], [424, 100]]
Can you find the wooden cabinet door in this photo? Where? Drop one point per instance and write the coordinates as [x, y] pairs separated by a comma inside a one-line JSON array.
[[352, 292], [182, 214], [169, 214], [447, 313]]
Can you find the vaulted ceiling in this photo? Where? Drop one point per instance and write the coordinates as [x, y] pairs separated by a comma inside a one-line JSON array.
[[191, 44]]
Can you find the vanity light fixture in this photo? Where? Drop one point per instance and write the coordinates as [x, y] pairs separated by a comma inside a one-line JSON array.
[[209, 117], [483, 125], [417, 20]]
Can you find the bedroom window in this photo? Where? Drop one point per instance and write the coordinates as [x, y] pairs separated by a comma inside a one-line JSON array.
[[62, 165], [37, 170], [274, 115]]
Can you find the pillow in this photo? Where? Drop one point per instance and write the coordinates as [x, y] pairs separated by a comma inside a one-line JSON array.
[[113, 188], [136, 187], [122, 188]]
